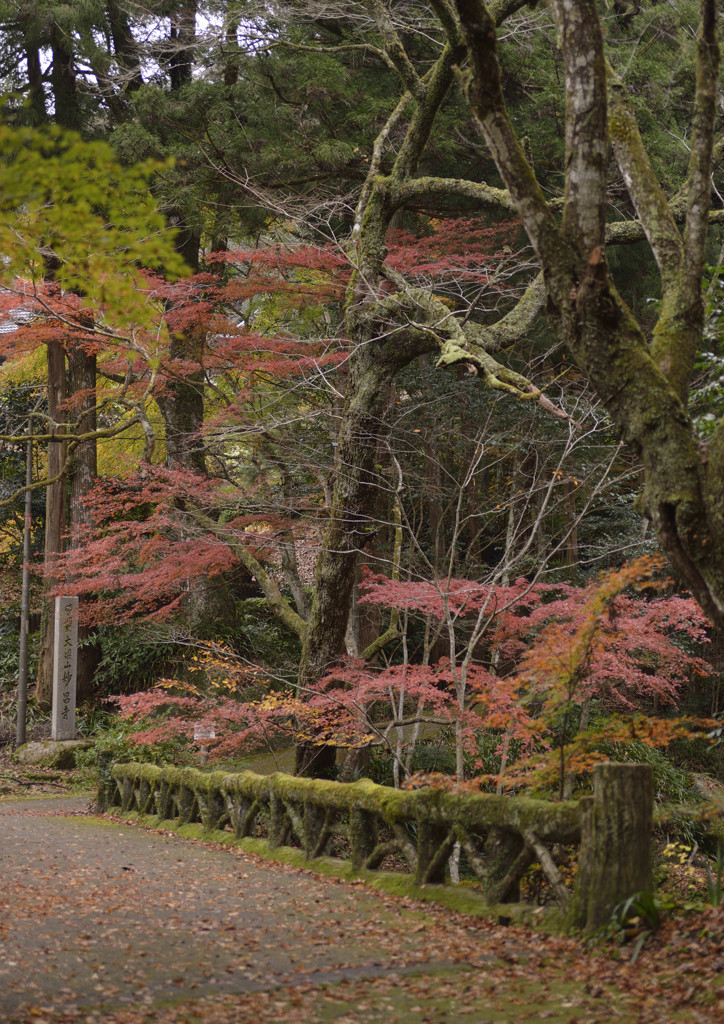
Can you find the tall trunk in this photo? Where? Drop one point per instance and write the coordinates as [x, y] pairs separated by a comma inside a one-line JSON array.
[[182, 403], [54, 515], [183, 39], [62, 77], [83, 474], [35, 83], [124, 46], [66, 114], [182, 407], [353, 520]]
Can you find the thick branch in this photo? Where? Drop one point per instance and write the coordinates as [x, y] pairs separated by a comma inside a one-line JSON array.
[[514, 325], [441, 188], [652, 208], [394, 48], [271, 591], [484, 91], [429, 100]]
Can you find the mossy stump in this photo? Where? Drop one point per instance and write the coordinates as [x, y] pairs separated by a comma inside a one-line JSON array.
[[615, 858]]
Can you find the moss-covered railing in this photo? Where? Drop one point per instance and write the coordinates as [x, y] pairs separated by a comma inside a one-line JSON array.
[[415, 831]]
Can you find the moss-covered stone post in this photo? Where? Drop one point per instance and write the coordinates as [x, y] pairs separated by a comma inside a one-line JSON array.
[[162, 800], [144, 797], [278, 820], [505, 850], [107, 786], [362, 834], [430, 868], [186, 804], [314, 825], [212, 808], [615, 858], [127, 795]]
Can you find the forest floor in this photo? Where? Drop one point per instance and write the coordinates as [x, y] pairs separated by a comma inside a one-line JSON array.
[[101, 920]]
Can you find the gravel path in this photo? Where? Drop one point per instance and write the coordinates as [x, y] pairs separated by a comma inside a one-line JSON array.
[[97, 914]]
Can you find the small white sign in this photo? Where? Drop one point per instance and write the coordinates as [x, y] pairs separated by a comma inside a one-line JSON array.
[[204, 732]]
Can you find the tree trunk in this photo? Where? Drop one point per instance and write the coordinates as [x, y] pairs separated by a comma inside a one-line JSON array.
[[125, 48], [35, 83], [643, 384], [182, 407], [318, 761], [54, 515], [63, 83], [183, 36], [354, 519], [83, 474]]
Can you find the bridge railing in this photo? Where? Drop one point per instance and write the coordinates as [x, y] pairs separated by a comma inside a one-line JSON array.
[[414, 831]]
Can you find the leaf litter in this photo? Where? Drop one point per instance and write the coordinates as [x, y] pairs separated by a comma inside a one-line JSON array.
[[195, 932]]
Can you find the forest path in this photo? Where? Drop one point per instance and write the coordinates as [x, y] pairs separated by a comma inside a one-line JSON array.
[[101, 920]]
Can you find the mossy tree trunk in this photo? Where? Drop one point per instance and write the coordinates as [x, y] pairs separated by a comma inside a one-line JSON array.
[[55, 510], [643, 386], [386, 332], [83, 474]]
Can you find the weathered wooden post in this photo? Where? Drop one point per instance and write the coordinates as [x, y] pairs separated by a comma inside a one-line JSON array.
[[615, 858], [65, 668]]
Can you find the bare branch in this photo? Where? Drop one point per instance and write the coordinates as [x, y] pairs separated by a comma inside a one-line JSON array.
[[483, 88]]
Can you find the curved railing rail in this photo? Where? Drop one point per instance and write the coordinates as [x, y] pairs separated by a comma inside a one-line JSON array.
[[415, 831]]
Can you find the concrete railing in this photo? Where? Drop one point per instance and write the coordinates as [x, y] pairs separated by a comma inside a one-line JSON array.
[[415, 830]]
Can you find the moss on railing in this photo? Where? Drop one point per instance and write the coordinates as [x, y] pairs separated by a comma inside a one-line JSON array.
[[368, 824]]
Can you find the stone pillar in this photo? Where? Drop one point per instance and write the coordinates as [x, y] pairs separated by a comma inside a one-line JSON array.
[[615, 858], [65, 667]]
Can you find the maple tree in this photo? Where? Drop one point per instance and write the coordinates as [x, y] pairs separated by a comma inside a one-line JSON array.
[[257, 375], [564, 649], [456, 288], [77, 228]]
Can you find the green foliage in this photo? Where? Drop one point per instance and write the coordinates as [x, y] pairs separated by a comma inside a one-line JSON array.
[[111, 745], [488, 760], [433, 755], [9, 655], [266, 639], [671, 784], [637, 917], [714, 882], [70, 202], [131, 658]]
